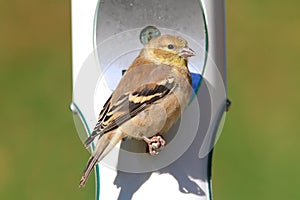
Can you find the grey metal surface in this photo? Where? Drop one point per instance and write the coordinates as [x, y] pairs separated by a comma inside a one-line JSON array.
[[216, 27], [115, 16]]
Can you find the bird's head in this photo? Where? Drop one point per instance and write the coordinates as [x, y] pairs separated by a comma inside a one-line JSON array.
[[169, 50]]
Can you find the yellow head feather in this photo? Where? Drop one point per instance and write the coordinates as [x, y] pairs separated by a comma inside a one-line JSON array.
[[169, 50]]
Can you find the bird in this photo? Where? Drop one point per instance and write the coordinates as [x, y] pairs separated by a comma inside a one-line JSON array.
[[147, 101]]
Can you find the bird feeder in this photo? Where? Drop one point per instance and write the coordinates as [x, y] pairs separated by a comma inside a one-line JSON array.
[[106, 37]]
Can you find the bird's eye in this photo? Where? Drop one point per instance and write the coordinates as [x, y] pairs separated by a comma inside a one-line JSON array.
[[170, 46]]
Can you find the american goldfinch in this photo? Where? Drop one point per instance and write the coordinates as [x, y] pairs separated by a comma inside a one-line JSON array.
[[148, 100]]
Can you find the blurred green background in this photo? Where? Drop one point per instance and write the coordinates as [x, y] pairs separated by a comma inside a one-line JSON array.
[[41, 156]]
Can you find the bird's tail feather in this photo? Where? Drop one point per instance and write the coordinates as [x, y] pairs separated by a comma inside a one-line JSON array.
[[104, 145], [90, 165]]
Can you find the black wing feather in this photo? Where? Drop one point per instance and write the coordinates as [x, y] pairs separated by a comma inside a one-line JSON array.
[[145, 96]]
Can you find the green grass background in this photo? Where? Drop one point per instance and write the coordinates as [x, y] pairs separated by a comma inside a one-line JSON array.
[[41, 156]]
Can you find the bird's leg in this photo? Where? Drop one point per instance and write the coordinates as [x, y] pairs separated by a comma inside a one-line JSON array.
[[155, 144]]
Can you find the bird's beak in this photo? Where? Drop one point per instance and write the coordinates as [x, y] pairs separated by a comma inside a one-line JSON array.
[[187, 52]]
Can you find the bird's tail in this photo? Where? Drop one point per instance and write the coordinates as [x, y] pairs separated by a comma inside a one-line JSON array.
[[90, 165], [104, 145]]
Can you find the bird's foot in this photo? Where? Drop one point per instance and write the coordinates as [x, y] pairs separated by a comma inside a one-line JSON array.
[[155, 144]]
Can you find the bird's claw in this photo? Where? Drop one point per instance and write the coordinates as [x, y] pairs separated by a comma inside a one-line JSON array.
[[155, 144]]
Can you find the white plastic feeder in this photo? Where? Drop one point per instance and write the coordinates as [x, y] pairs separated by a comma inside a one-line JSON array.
[[106, 36]]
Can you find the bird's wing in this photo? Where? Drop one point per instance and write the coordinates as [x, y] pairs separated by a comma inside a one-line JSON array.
[[129, 105], [104, 109], [102, 114]]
